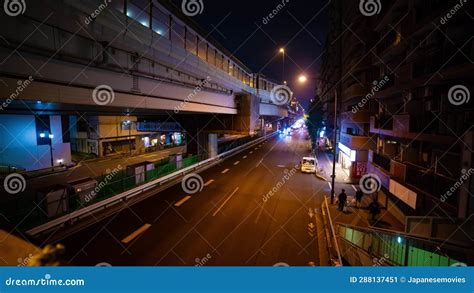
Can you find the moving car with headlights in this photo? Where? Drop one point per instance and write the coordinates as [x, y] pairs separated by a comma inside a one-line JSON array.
[[308, 165]]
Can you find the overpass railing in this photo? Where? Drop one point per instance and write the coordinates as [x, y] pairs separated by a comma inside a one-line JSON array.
[[402, 249]]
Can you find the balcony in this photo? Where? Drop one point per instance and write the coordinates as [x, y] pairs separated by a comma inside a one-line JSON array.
[[410, 127], [355, 142], [357, 117], [355, 90]]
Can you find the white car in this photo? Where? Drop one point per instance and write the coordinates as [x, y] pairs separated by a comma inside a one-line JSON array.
[[308, 165]]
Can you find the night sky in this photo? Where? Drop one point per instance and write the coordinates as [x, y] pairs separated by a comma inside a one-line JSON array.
[[235, 24]]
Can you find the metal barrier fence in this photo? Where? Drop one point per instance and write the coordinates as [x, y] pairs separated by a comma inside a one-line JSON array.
[[125, 188], [401, 249], [28, 213]]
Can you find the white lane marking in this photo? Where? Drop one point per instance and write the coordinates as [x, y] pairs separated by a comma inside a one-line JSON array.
[[244, 157], [281, 166], [330, 186], [251, 152], [354, 187], [222, 205], [225, 171], [236, 163], [135, 234], [183, 200], [209, 182], [259, 162]]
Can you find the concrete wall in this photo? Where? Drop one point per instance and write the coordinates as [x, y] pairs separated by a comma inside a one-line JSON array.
[[18, 143]]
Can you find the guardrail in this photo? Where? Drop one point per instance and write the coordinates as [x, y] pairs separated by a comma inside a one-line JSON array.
[[71, 217], [333, 233]]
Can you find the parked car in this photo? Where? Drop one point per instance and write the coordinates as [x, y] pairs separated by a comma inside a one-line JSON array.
[[308, 165]]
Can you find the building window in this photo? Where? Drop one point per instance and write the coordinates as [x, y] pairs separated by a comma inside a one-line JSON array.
[[139, 11], [159, 22]]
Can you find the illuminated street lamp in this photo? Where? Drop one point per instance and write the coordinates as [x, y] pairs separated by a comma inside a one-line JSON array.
[[302, 78], [50, 136], [282, 52]]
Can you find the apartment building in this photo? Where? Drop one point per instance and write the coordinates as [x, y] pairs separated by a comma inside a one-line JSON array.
[[416, 68]]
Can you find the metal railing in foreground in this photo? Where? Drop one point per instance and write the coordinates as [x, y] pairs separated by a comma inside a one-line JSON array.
[[402, 249], [333, 246]]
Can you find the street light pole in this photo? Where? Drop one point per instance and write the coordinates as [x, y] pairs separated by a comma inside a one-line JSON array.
[[303, 79], [51, 136], [333, 176]]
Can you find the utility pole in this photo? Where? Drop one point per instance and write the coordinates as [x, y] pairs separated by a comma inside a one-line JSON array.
[[333, 176]]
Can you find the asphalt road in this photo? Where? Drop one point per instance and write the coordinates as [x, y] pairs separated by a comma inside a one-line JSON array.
[[234, 220]]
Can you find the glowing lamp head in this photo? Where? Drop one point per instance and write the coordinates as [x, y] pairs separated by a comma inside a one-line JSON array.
[[282, 50], [302, 79]]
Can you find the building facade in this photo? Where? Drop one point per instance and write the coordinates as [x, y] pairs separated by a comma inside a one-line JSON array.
[[403, 89]]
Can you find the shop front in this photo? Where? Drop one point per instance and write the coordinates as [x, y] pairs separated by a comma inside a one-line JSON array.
[[348, 159]]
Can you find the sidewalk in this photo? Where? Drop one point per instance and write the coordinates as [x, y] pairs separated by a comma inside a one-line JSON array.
[[354, 216], [325, 165], [361, 216]]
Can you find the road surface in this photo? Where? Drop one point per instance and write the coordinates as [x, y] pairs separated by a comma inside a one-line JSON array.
[[255, 208]]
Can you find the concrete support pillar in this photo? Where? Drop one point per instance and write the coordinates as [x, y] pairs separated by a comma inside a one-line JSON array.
[[212, 146]]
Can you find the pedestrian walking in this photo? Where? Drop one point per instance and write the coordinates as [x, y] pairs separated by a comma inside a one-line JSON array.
[[342, 200], [359, 195], [374, 209]]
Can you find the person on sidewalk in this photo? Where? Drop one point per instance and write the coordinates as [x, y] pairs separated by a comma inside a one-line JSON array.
[[342, 198], [359, 195], [374, 209]]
